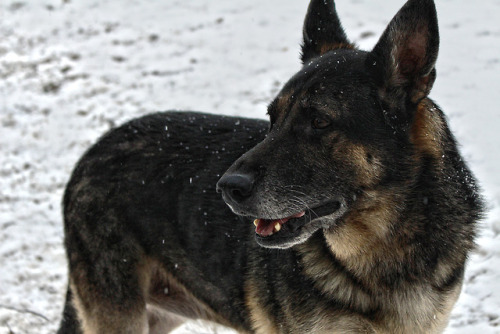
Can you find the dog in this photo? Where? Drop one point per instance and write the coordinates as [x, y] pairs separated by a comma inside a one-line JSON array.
[[363, 210]]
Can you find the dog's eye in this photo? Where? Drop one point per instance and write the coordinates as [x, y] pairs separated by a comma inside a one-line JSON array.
[[320, 123]]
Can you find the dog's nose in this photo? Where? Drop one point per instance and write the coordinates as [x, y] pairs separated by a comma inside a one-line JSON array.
[[236, 187]]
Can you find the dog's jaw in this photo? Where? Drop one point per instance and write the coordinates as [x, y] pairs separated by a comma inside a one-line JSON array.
[[296, 229]]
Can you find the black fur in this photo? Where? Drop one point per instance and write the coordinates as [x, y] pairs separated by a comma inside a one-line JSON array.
[[151, 183]]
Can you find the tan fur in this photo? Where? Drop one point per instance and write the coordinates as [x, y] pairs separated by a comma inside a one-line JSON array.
[[168, 295], [100, 318], [283, 101], [166, 305], [363, 235], [364, 163], [427, 130], [329, 279], [441, 318], [368, 172], [362, 241], [323, 320], [261, 323], [166, 292], [335, 322], [416, 309], [326, 47], [417, 306]]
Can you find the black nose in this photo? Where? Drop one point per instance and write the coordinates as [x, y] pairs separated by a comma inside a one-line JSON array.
[[236, 187]]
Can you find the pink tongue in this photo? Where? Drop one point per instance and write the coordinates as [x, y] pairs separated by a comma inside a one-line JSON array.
[[265, 227]]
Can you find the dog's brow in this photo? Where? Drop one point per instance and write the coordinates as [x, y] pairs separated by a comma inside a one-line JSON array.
[[313, 103]]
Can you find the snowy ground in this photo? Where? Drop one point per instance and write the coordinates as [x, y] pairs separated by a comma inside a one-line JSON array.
[[70, 70]]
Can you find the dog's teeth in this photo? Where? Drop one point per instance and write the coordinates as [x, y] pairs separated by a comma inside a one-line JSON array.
[[256, 222], [277, 227]]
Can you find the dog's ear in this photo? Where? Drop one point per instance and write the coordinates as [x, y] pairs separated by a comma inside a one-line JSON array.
[[322, 30], [404, 58]]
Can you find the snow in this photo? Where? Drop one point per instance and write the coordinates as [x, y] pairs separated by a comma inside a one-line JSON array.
[[70, 70]]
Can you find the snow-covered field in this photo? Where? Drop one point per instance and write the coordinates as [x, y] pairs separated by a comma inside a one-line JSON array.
[[70, 70]]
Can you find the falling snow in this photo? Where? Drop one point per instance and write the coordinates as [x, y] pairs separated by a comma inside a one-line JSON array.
[[70, 70]]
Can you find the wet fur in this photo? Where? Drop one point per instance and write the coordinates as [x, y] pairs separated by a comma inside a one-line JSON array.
[[150, 243]]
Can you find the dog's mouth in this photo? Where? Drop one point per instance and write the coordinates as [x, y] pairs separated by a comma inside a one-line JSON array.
[[267, 227], [283, 231]]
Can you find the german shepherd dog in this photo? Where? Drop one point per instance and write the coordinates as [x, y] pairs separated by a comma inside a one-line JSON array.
[[364, 210]]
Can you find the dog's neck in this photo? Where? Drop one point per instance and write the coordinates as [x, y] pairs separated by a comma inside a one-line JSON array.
[[367, 256]]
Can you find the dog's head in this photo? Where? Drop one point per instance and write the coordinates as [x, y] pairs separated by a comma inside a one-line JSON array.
[[340, 126]]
